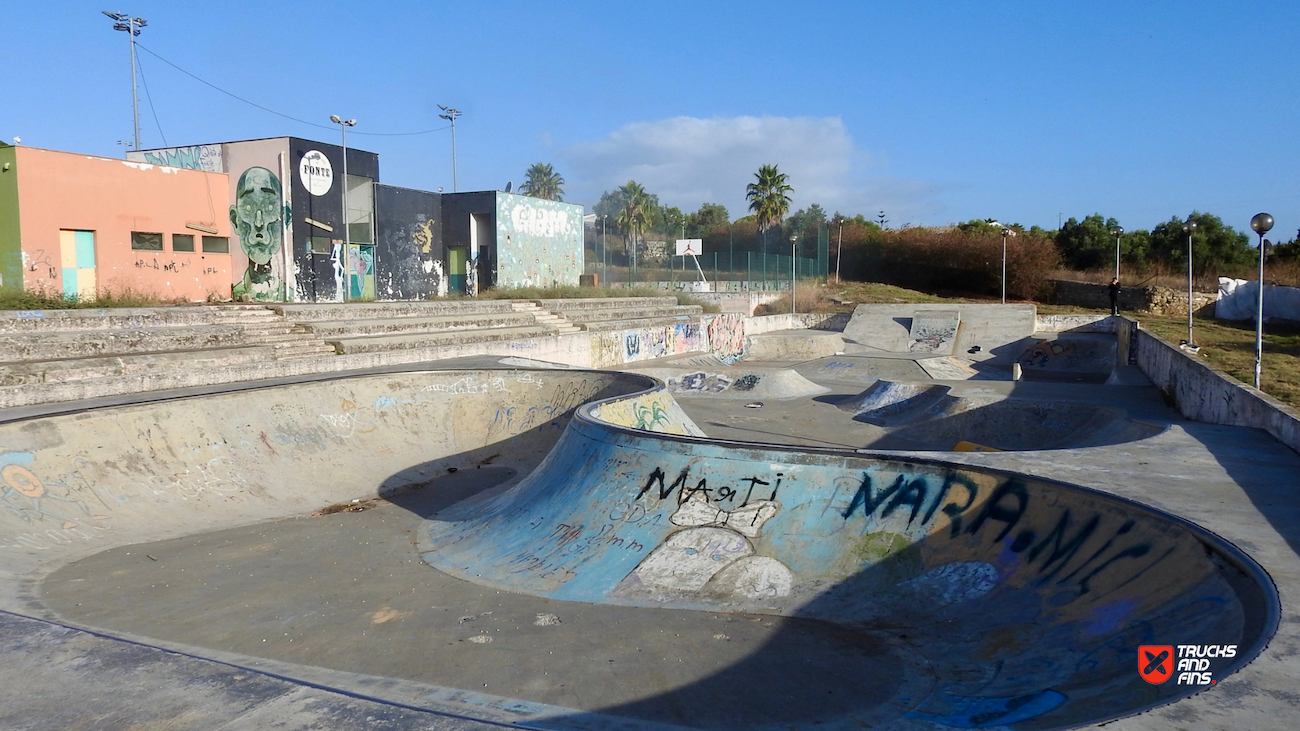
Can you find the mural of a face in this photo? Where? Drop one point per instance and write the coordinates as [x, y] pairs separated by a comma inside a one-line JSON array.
[[258, 216]]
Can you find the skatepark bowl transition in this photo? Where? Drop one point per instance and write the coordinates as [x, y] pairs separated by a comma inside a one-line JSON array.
[[776, 545]]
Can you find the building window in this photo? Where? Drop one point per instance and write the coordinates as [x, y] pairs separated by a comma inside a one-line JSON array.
[[141, 241], [321, 245], [216, 244], [182, 242]]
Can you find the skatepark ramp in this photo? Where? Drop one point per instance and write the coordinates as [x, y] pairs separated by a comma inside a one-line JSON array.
[[964, 596]]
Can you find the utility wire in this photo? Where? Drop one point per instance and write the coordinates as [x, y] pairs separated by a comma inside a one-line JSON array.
[[149, 96], [280, 114]]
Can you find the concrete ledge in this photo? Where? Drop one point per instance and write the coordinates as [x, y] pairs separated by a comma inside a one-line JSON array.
[[1204, 393], [642, 313], [71, 344], [601, 303], [137, 318], [1074, 323], [437, 339], [413, 325], [636, 322], [308, 313], [798, 321]]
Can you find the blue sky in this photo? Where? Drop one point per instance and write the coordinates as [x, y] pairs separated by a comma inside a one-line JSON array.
[[934, 112]]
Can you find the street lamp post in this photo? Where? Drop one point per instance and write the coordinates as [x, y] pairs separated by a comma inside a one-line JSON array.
[[1189, 227], [839, 254], [604, 252], [794, 238], [1117, 232], [347, 230], [132, 26], [450, 115], [1262, 222], [1005, 233]]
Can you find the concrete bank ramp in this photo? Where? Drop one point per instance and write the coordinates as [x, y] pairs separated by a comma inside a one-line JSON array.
[[922, 416], [1082, 357], [791, 346], [736, 382], [941, 329], [1003, 600]]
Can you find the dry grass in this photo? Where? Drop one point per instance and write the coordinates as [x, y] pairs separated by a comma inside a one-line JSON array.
[[23, 300], [1230, 347], [830, 298], [1286, 273]]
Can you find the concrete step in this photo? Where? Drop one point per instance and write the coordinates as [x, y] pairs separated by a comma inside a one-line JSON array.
[[438, 339], [91, 343], [626, 313], [355, 311], [600, 303], [28, 321], [412, 325], [76, 369], [608, 325], [314, 349]]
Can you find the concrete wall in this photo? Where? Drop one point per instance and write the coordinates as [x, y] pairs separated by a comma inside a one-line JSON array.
[[194, 157], [539, 242], [112, 198], [1201, 392], [1151, 300], [408, 243]]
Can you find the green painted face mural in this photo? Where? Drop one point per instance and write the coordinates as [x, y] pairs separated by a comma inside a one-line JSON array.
[[259, 219]]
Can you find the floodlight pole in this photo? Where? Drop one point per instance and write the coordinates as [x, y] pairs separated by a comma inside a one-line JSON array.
[[1005, 232], [347, 230], [1117, 232], [794, 238], [839, 254], [132, 26], [1262, 222], [450, 115]]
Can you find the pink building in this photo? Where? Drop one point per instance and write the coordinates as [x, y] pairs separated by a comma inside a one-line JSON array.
[[78, 225]]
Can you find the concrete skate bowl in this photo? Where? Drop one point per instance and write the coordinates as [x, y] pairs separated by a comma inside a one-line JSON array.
[[928, 417], [737, 585], [983, 598], [1078, 358]]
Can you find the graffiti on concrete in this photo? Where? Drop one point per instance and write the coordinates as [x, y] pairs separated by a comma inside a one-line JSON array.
[[540, 242], [196, 157], [259, 216], [727, 337], [933, 332]]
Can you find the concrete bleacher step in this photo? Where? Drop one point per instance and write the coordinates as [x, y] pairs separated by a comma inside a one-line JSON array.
[[87, 343], [414, 325], [75, 369], [128, 318], [568, 306], [435, 340], [604, 315], [639, 322], [327, 312], [559, 323]]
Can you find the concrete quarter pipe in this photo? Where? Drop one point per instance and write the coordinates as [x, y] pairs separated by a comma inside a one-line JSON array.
[[937, 595]]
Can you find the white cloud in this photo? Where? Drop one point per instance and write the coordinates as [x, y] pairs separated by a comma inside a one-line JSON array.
[[688, 161]]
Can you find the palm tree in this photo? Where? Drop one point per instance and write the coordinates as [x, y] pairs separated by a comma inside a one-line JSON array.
[[541, 181], [769, 198], [632, 217]]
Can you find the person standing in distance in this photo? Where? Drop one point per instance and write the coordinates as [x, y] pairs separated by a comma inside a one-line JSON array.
[[1114, 296]]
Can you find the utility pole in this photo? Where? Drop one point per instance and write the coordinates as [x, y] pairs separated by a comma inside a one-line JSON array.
[[450, 115], [132, 26]]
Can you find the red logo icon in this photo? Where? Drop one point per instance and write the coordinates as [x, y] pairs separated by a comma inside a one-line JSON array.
[[1156, 663]]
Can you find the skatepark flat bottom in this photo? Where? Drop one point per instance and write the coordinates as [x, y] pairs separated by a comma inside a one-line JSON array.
[[347, 591]]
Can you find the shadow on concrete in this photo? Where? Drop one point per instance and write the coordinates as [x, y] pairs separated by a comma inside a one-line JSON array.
[[958, 647], [1263, 467]]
